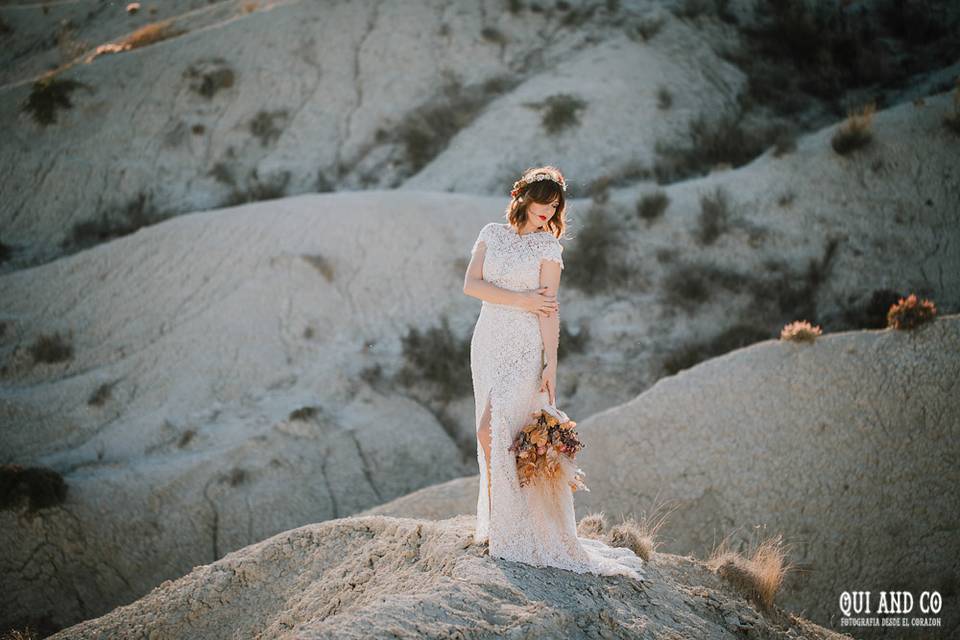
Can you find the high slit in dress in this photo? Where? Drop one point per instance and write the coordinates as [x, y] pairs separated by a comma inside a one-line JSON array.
[[527, 524]]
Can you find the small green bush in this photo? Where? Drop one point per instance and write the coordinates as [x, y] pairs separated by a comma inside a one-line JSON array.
[[438, 357], [562, 111], [303, 414], [593, 263], [257, 190], [664, 98], [237, 476], [101, 394], [646, 28], [493, 35], [265, 128], [40, 487], [725, 141], [51, 348], [714, 216], [49, 95], [207, 82], [652, 205], [426, 131], [124, 220]]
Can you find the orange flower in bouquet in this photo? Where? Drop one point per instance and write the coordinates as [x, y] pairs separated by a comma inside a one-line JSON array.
[[546, 448]]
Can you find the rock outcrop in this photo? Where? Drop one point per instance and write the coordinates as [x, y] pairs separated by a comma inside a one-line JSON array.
[[374, 577]]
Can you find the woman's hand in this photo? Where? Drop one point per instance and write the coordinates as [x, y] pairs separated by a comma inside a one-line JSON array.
[[548, 381], [538, 301]]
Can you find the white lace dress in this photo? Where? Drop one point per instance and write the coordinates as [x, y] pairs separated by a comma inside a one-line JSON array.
[[525, 524]]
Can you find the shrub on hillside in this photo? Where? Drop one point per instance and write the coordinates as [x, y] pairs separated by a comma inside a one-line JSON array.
[[714, 216], [759, 575], [664, 98], [855, 132], [101, 394], [303, 414], [911, 312], [121, 221], [799, 331], [439, 357], [652, 205], [39, 487], [51, 347], [724, 141], [47, 96], [561, 111], [593, 261]]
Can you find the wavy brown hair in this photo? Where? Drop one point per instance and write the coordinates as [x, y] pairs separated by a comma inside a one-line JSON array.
[[542, 192]]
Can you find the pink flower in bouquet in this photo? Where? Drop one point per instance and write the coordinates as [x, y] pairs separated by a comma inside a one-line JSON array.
[[546, 448]]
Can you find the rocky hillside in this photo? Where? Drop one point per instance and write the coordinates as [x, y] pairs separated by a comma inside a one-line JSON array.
[[122, 119], [847, 446], [233, 239], [377, 576]]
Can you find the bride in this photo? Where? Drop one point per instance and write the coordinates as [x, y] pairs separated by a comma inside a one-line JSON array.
[[515, 271]]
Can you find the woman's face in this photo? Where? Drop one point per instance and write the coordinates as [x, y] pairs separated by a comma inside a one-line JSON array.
[[539, 214]]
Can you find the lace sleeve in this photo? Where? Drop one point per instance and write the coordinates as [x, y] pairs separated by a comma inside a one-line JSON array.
[[484, 236], [552, 251]]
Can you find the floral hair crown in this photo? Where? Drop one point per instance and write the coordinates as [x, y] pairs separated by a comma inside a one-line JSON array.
[[537, 177]]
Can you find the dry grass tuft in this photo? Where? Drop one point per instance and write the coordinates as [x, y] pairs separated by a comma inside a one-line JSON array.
[[592, 526], [758, 576], [28, 633], [910, 312], [855, 131], [640, 536], [800, 331]]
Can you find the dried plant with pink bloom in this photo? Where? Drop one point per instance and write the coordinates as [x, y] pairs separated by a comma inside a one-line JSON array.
[[910, 312], [800, 331]]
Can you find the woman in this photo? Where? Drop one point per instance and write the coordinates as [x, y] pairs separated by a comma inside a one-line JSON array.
[[515, 271]]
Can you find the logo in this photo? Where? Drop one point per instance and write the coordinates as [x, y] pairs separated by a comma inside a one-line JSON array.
[[890, 609]]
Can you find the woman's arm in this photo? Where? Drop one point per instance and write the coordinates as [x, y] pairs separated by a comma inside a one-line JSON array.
[[550, 331], [475, 286], [536, 301], [550, 324]]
